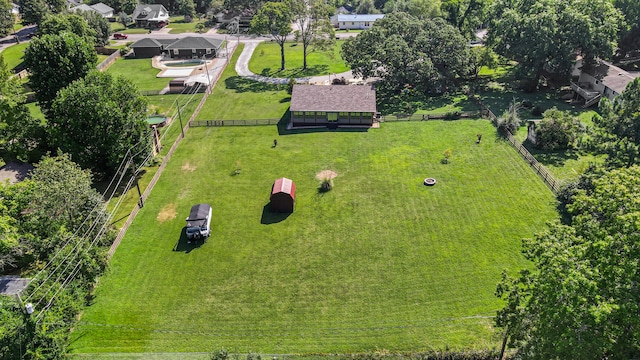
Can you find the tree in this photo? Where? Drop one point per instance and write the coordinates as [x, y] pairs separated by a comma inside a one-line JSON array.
[[618, 128], [558, 130], [186, 7], [402, 50], [629, 36], [33, 11], [97, 119], [6, 18], [273, 19], [366, 7], [241, 5], [422, 9], [54, 24], [510, 121], [466, 15], [581, 299], [547, 34], [55, 61], [20, 133], [315, 30], [100, 25]]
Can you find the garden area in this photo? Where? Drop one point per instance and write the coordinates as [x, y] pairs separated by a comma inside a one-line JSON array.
[[266, 61], [379, 262], [237, 98]]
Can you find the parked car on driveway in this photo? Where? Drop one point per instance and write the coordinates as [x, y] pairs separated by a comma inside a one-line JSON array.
[[120, 36]]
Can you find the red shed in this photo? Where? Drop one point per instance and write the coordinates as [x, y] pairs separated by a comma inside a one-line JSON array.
[[283, 195]]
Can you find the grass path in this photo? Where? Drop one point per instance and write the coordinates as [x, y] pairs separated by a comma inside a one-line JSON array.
[[380, 262]]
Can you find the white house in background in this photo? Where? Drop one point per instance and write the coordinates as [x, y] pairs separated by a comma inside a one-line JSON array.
[[598, 80], [150, 16], [103, 9], [15, 9], [356, 21]]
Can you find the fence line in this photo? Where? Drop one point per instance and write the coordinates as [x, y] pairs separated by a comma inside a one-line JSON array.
[[156, 177], [546, 176], [424, 117], [198, 123], [108, 61]]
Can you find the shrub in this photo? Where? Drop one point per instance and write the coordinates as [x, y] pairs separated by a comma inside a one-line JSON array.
[[557, 131], [326, 185], [290, 84], [510, 120], [188, 19], [221, 354], [453, 115], [447, 155]]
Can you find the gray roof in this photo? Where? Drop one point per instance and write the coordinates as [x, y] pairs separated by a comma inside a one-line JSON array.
[[195, 42], [82, 7], [359, 17], [148, 11], [347, 98], [146, 43], [102, 8], [611, 76]]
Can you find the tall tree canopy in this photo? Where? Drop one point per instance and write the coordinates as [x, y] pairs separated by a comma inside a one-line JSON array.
[[549, 33], [274, 19], [466, 15], [629, 39], [20, 133], [97, 119], [421, 9], [33, 11], [55, 61], [315, 30], [6, 18], [581, 301], [618, 128], [403, 50], [54, 24]]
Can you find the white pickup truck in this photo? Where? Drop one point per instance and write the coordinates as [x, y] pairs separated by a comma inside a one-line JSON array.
[[199, 222]]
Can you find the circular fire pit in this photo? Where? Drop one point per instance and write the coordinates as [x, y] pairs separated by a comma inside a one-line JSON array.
[[429, 181]]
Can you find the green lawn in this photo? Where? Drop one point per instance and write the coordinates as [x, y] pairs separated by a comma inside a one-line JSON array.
[[13, 54], [178, 26], [140, 72], [35, 111], [237, 98], [379, 262], [266, 61]]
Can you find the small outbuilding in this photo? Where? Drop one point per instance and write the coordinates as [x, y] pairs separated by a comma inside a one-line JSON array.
[[283, 195]]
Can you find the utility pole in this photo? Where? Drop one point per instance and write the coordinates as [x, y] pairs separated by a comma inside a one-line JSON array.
[[135, 176], [180, 117]]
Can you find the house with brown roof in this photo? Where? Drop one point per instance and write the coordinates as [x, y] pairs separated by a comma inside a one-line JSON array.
[[332, 105], [601, 79]]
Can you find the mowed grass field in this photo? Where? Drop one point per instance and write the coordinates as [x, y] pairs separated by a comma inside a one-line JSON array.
[[379, 262]]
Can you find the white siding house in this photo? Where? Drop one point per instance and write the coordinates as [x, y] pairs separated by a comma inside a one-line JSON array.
[[600, 80], [357, 21]]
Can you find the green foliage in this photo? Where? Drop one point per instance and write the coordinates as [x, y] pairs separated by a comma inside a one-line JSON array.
[[429, 54], [466, 15], [421, 9], [273, 19], [629, 35], [186, 8], [221, 354], [510, 120], [582, 287], [100, 25], [558, 130], [33, 11], [6, 18], [315, 31], [290, 84], [54, 24], [97, 120], [617, 131], [55, 61], [548, 34]]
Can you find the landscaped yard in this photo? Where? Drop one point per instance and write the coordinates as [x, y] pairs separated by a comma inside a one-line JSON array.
[[140, 72], [379, 262], [266, 61], [13, 54], [237, 98], [178, 26]]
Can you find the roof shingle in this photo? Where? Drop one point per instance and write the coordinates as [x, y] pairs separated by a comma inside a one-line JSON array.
[[346, 98]]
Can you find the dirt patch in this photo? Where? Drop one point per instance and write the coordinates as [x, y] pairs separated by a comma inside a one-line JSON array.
[[167, 213], [188, 167], [326, 174]]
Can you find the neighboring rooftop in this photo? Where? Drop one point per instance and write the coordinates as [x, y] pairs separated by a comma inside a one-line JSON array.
[[611, 76], [346, 98], [102, 8], [149, 11], [82, 7], [195, 42]]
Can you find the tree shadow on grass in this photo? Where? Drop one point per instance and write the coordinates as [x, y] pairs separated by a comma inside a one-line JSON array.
[[183, 244], [269, 217], [551, 158], [311, 70], [241, 85]]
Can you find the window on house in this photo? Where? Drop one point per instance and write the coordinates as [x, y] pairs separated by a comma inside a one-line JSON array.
[[353, 23], [321, 113], [332, 116], [193, 51], [298, 113], [176, 51], [344, 115], [208, 51]]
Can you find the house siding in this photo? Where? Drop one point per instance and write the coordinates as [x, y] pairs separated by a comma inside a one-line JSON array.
[[146, 52]]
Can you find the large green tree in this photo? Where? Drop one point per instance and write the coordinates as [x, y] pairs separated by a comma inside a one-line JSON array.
[[405, 51], [54, 24], [617, 130], [581, 299], [466, 15], [20, 133], [100, 25], [274, 19], [6, 18], [54, 61], [33, 11], [548, 34], [97, 119], [421, 9], [315, 30], [629, 39]]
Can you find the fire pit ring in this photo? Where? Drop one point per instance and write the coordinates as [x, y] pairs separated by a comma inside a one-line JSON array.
[[429, 181]]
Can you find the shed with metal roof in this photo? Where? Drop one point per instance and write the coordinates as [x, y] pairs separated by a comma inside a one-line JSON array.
[[357, 21], [283, 196]]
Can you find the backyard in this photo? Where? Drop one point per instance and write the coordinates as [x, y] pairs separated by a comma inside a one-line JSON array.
[[13, 54], [379, 262], [140, 72]]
